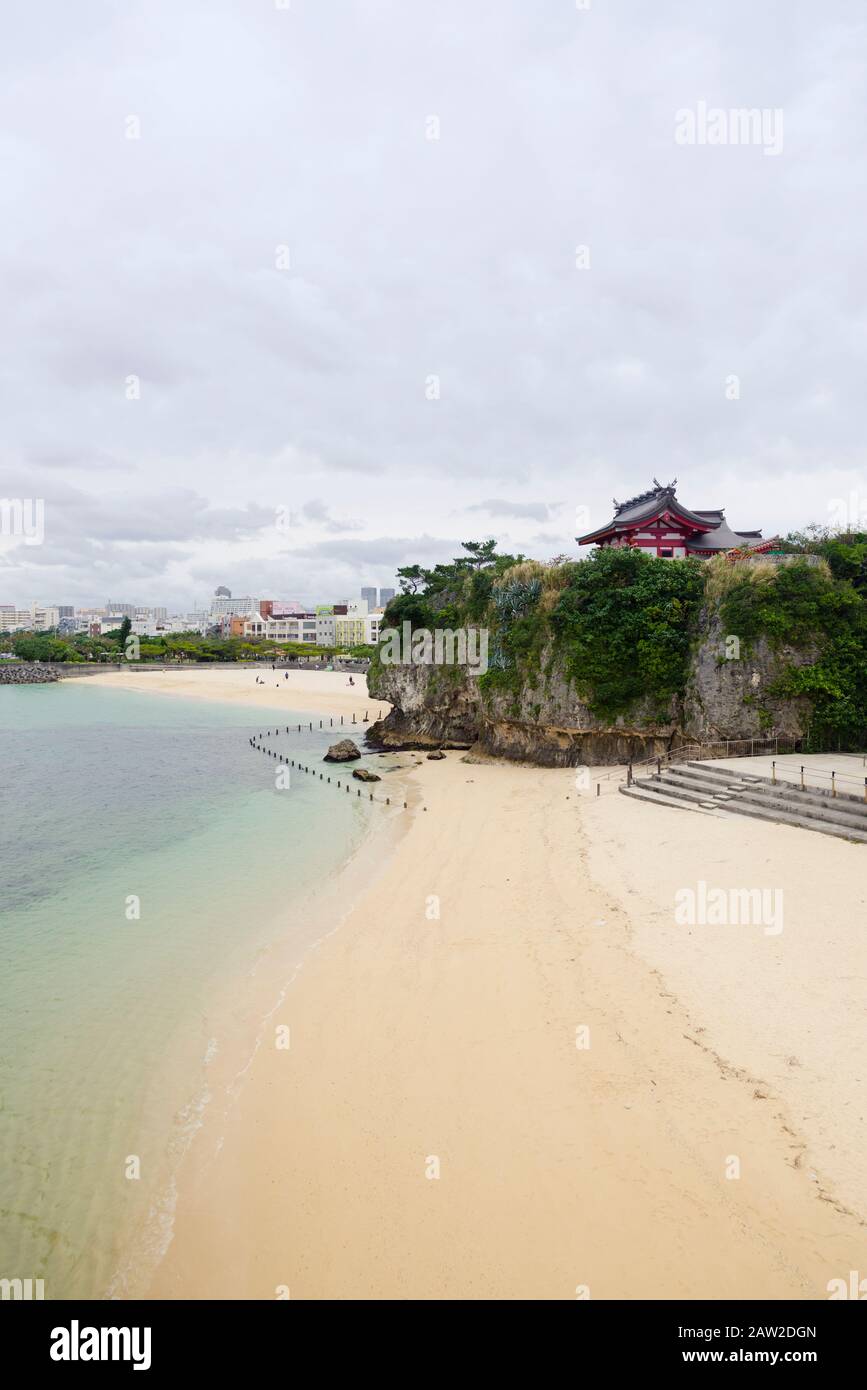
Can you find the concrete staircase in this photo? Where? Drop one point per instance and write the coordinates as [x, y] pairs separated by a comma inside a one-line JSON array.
[[719, 790]]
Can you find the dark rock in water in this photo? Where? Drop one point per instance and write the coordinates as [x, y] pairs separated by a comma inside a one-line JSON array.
[[436, 755], [365, 775], [343, 752]]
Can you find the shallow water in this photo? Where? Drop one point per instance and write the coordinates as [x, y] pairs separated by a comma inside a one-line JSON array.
[[114, 804]]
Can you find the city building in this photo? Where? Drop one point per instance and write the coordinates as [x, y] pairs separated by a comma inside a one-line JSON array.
[[385, 596], [39, 617], [357, 630], [369, 596], [224, 606], [280, 608], [299, 627]]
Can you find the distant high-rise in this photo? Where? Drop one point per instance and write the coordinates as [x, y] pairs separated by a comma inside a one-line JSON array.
[[385, 595], [370, 595], [223, 606]]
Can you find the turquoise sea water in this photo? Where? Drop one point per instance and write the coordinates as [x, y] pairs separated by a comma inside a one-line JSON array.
[[107, 795]]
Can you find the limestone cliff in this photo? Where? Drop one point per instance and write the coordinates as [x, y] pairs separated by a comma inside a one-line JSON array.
[[549, 724]]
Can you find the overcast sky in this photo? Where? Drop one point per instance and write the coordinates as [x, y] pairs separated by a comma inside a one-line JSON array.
[[357, 344]]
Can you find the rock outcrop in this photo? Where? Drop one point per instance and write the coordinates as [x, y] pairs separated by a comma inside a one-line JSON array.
[[550, 725], [343, 752], [729, 696]]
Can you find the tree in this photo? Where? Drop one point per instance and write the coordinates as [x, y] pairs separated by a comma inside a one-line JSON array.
[[480, 553], [411, 578]]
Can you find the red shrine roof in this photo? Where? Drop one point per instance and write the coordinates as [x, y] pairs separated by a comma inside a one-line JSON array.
[[704, 531]]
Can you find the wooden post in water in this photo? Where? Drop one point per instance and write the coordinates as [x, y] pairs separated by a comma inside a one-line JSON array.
[[774, 773], [802, 779], [833, 784]]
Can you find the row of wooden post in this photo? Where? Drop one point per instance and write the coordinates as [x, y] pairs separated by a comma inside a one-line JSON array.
[[365, 720], [260, 748]]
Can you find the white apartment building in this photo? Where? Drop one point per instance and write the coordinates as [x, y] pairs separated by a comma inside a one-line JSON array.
[[222, 607], [163, 626], [37, 618], [297, 628], [15, 619]]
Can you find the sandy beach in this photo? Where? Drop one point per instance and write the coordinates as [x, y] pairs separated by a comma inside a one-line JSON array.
[[512, 1075], [324, 692]]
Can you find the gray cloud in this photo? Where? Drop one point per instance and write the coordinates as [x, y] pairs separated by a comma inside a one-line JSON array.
[[497, 506], [317, 512], [428, 341]]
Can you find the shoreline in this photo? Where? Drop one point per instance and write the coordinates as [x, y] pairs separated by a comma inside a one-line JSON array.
[[435, 1023], [243, 1006], [312, 691], [242, 1003]]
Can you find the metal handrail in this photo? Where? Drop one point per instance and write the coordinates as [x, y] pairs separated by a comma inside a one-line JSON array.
[[693, 750]]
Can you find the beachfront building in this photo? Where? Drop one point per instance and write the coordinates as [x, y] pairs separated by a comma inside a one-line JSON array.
[[325, 625], [659, 524], [297, 628], [357, 630]]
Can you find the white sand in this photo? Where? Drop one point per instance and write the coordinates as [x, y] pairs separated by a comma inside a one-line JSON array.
[[325, 692], [416, 1037]]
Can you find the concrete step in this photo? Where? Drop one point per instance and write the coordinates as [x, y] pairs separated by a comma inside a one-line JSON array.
[[681, 777], [852, 799], [658, 787], [721, 774], [810, 810], [774, 813], [641, 793], [751, 800], [814, 796]]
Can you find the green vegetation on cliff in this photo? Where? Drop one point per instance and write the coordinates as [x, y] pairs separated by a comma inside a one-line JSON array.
[[810, 607], [623, 625]]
